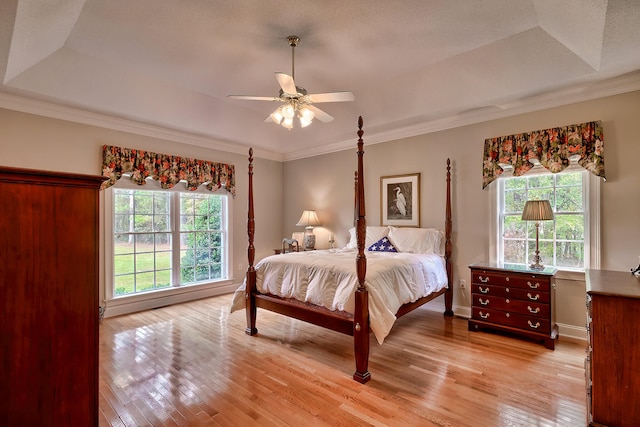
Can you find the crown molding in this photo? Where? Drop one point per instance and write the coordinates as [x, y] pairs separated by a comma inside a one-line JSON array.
[[76, 115], [579, 93]]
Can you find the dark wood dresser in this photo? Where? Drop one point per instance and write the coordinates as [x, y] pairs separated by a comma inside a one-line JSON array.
[[613, 357], [514, 299], [48, 298]]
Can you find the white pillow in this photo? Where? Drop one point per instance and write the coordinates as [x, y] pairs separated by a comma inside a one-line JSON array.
[[374, 233], [417, 240]]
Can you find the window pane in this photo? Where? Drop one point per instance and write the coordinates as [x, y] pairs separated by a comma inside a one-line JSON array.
[[540, 181], [144, 262], [202, 272], [514, 201], [123, 285], [144, 281], [570, 227], [123, 264], [163, 278], [143, 202], [515, 183], [570, 178], [202, 240], [216, 255], [161, 203], [161, 222], [514, 251], [570, 254], [143, 223], [122, 223], [514, 227], [569, 199]]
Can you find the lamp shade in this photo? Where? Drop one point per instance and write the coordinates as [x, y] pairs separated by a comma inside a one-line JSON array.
[[309, 219], [537, 210]]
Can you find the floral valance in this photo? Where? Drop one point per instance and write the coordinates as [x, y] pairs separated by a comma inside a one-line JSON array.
[[552, 147], [167, 170]]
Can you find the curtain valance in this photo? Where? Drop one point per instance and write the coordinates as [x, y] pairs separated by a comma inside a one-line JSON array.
[[166, 169], [552, 147]]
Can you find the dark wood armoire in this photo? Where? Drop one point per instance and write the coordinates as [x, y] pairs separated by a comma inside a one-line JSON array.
[[48, 298], [613, 356]]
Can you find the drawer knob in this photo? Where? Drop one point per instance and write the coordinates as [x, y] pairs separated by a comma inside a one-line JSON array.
[[484, 291], [532, 311], [536, 326], [483, 302], [508, 315], [506, 289], [532, 298], [507, 301], [507, 279], [533, 286], [484, 316], [483, 280]]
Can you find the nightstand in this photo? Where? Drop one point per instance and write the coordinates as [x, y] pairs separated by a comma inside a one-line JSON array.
[[514, 299]]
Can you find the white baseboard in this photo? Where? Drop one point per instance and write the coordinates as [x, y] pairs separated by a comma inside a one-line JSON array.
[[572, 331], [120, 306], [458, 310]]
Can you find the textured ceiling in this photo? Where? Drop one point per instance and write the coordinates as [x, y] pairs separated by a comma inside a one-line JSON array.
[[414, 65]]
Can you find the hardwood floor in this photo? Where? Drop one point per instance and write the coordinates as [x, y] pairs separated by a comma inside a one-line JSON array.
[[193, 365]]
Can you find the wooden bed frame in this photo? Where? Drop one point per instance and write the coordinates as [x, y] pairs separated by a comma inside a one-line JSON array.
[[356, 324]]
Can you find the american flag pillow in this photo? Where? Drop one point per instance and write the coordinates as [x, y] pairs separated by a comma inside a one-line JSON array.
[[382, 245]]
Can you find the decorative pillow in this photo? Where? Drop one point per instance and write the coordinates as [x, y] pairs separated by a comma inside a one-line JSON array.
[[374, 233], [416, 240], [382, 245]]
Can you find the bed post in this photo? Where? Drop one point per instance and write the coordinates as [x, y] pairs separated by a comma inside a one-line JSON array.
[[361, 312], [448, 296], [250, 299]]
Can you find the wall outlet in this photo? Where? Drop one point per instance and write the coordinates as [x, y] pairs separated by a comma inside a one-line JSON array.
[[462, 283], [240, 267]]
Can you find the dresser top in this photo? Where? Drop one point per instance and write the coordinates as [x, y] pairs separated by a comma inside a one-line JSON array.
[[613, 283], [515, 268]]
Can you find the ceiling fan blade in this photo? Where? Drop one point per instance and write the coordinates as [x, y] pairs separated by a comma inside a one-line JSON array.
[[254, 98], [286, 83], [319, 114], [331, 97]]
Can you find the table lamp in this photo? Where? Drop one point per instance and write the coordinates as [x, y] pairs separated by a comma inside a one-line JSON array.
[[308, 220], [537, 210]]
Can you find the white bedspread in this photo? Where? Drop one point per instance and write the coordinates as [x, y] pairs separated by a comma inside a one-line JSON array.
[[328, 278]]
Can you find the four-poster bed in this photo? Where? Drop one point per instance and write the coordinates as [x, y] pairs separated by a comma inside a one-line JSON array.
[[357, 321]]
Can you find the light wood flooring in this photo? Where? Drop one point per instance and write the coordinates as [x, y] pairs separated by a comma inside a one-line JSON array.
[[193, 365]]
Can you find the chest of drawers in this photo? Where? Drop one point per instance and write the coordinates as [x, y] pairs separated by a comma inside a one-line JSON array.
[[613, 353], [514, 299]]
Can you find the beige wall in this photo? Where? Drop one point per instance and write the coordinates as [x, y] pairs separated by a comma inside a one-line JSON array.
[[326, 184], [35, 142]]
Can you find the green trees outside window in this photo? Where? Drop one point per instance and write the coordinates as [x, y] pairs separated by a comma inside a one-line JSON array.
[[147, 245], [561, 240]]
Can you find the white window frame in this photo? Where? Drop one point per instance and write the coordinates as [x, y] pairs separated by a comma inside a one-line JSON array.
[[591, 199], [170, 295]]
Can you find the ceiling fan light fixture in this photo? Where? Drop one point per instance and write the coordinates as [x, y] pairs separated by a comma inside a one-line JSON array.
[[306, 117], [287, 122], [288, 111], [277, 116]]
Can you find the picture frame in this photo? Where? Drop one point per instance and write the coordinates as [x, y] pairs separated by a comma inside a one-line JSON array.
[[400, 200]]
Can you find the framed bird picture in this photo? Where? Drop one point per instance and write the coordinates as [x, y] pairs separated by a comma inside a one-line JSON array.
[[400, 200]]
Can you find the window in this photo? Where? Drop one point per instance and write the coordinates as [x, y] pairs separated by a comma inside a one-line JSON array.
[[167, 239], [569, 242]]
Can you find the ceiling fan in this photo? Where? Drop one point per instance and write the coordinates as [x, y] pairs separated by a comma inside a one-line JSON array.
[[295, 99]]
